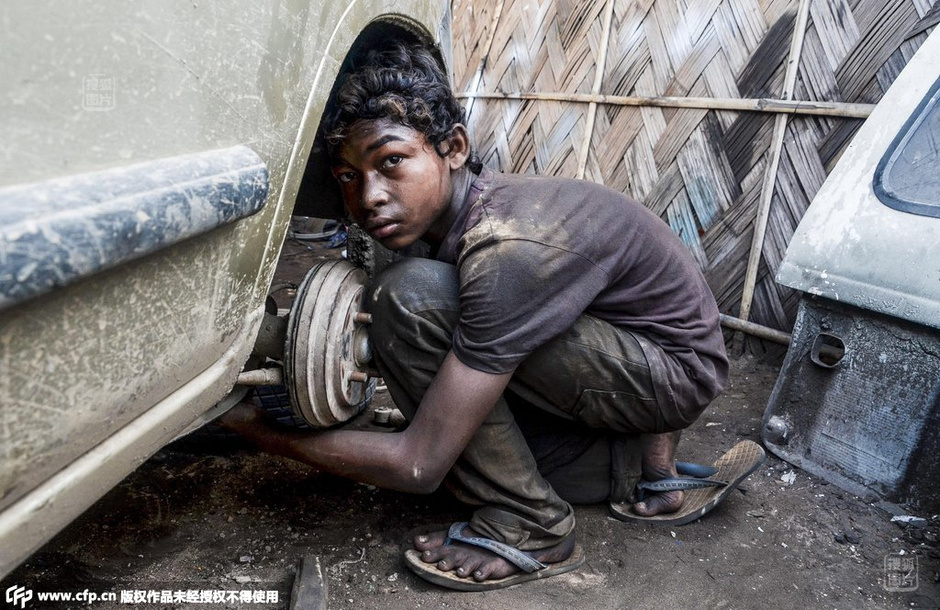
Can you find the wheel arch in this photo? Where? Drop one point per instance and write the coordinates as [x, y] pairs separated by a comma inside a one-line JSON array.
[[318, 194]]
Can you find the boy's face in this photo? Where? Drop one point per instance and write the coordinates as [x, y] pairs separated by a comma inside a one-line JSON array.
[[395, 184]]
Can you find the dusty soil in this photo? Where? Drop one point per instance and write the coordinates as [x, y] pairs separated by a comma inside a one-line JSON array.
[[209, 514]]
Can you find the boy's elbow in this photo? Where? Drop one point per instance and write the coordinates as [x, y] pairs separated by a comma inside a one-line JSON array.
[[419, 467], [423, 479]]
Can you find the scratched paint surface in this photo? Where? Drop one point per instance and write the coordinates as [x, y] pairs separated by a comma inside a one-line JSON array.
[[77, 367]]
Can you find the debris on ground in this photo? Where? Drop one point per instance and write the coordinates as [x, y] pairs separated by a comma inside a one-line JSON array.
[[909, 521], [808, 542]]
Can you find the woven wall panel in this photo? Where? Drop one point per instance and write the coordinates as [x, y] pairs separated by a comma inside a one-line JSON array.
[[537, 46], [529, 137], [473, 23], [699, 170]]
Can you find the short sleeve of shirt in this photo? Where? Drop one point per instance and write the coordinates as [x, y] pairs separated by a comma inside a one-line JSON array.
[[516, 295]]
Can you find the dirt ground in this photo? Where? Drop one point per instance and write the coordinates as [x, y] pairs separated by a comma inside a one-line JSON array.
[[208, 514]]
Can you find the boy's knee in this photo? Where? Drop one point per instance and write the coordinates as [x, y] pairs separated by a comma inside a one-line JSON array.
[[410, 286]]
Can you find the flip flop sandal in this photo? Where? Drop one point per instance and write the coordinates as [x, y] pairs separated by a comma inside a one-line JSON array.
[[530, 569], [705, 490]]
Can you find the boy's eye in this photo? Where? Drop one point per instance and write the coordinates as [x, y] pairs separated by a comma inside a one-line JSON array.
[[346, 177], [393, 160]]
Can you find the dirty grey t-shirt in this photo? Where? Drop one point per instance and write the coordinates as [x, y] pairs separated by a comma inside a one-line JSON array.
[[534, 253]]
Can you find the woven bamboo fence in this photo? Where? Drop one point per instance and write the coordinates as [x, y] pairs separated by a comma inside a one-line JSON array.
[[722, 116]]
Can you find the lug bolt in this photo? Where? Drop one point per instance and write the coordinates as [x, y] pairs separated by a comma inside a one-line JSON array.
[[359, 376], [382, 415]]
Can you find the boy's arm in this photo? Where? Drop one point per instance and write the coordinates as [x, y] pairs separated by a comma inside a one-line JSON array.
[[416, 460]]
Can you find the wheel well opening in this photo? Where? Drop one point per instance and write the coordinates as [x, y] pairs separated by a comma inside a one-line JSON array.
[[319, 194]]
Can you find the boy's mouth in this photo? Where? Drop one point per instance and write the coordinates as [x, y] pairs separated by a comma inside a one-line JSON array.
[[382, 228]]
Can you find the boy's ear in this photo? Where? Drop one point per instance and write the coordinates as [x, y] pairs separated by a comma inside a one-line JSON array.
[[458, 147]]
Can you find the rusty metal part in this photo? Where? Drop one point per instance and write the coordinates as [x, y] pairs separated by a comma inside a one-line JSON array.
[[310, 587], [327, 349], [272, 376], [382, 415], [271, 337]]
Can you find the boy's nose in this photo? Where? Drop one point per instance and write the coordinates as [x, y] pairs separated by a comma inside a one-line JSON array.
[[373, 194]]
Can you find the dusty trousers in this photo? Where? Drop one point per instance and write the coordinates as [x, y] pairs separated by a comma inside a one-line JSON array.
[[565, 429]]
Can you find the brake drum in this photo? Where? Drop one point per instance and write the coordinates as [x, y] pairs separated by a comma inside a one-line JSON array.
[[327, 347]]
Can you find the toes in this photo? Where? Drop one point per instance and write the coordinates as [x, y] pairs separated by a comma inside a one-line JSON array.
[[450, 558], [433, 540], [494, 568], [484, 571], [466, 562], [471, 565], [432, 555], [668, 502]]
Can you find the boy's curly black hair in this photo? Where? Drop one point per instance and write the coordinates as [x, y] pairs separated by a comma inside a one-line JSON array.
[[404, 84]]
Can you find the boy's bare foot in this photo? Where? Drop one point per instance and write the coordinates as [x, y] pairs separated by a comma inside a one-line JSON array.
[[658, 453], [469, 561]]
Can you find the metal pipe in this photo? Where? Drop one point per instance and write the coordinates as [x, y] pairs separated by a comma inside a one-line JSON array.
[[757, 330], [273, 376], [359, 376]]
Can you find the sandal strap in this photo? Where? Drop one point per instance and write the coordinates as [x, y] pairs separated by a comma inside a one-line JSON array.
[[679, 484], [511, 554], [695, 470]]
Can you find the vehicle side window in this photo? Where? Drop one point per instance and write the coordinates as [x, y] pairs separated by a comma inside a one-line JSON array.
[[908, 176]]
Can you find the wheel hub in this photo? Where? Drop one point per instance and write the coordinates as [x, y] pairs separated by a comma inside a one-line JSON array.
[[327, 348]]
